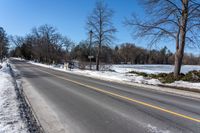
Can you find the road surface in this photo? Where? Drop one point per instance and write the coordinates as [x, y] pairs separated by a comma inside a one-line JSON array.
[[88, 105]]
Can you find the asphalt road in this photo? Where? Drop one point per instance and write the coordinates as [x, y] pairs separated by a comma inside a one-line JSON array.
[[89, 105]]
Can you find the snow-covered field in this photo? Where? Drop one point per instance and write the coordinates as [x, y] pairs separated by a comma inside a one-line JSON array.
[[10, 120], [119, 73], [152, 69]]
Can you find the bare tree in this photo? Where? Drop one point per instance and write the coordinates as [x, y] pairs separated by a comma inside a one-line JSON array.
[[129, 52], [178, 20], [43, 44], [66, 43], [17, 40], [3, 43], [47, 43], [100, 22]]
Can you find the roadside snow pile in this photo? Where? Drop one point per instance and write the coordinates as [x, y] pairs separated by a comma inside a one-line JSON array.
[[106, 75], [10, 120], [186, 84], [40, 64], [120, 73]]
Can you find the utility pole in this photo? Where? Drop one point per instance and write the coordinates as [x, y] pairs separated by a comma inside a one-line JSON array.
[[90, 56]]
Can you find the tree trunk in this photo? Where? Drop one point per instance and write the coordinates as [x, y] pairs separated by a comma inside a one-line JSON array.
[[181, 46], [97, 59], [178, 62]]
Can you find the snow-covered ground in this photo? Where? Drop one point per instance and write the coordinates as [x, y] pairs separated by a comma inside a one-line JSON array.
[[119, 73], [152, 69], [10, 120]]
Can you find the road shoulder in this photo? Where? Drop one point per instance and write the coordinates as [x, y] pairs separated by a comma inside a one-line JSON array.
[[45, 114]]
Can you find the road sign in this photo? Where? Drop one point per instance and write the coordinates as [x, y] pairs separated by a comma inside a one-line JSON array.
[[91, 56]]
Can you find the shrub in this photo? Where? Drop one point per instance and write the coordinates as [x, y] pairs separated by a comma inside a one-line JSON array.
[[192, 76], [169, 78], [139, 73]]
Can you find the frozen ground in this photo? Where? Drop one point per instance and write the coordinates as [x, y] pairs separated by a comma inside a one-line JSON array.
[[120, 73], [10, 120], [152, 69]]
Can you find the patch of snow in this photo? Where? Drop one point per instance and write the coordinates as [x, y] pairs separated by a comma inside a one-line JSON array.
[[18, 58], [153, 129], [40, 64], [10, 120], [186, 84]]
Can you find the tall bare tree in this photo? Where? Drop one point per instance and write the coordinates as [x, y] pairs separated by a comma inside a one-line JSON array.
[[100, 22], [178, 20]]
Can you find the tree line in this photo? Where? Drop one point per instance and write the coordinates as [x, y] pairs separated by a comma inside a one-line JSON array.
[[129, 53], [45, 44]]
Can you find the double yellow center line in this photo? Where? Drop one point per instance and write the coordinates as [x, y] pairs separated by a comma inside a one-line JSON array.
[[127, 98]]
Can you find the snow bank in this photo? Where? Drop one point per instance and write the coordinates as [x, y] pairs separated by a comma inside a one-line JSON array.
[[120, 73], [10, 120], [105, 75], [186, 84]]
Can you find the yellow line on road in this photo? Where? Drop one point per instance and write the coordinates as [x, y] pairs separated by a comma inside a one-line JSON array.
[[127, 98]]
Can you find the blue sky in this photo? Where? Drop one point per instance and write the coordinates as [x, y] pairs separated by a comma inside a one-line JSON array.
[[18, 17]]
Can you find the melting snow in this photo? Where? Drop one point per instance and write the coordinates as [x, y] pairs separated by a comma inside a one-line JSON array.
[[153, 129]]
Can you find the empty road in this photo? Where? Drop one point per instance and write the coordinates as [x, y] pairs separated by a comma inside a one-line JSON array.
[[87, 105]]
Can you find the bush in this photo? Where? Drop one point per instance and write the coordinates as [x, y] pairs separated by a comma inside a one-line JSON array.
[[169, 78], [192, 76], [139, 73], [111, 70]]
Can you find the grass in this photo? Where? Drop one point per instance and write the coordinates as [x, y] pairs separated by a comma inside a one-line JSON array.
[[192, 76]]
